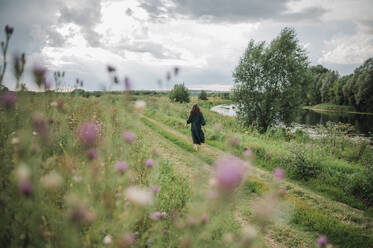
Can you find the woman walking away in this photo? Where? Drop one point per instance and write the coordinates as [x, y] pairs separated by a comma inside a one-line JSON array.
[[196, 118]]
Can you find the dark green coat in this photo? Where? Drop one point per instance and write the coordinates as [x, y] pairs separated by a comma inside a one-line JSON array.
[[197, 133]]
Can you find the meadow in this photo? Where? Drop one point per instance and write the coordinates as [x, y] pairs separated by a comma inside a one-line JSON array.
[[119, 170]]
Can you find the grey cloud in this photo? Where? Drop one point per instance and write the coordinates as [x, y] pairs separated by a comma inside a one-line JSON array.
[[229, 11], [86, 15], [155, 49], [129, 12], [367, 25], [307, 14]]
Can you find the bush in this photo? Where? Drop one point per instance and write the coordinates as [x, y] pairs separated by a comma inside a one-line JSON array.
[[202, 95], [304, 164], [179, 93]]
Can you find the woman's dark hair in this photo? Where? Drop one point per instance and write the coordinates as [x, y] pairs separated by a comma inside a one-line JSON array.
[[195, 110]]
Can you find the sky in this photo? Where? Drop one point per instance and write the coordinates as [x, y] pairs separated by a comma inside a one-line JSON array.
[[146, 39]]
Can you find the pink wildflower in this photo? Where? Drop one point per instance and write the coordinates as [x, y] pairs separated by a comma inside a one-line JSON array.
[[129, 137], [229, 172], [279, 174], [121, 166], [88, 133], [149, 163]]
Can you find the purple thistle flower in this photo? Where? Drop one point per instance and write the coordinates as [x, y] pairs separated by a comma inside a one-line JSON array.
[[25, 187], [39, 75], [110, 69], [204, 219], [155, 216], [129, 137], [121, 166], [116, 79], [279, 173], [88, 133], [127, 84], [176, 70], [322, 241], [155, 189], [149, 163], [229, 172], [8, 99], [92, 154], [8, 30], [163, 214], [248, 153]]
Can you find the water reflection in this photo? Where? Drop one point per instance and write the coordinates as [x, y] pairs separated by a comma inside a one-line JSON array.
[[362, 123]]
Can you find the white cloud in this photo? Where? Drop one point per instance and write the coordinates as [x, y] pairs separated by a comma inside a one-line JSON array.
[[348, 49]]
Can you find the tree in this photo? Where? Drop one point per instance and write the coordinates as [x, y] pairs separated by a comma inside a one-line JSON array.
[[269, 80], [202, 95], [363, 86], [179, 93]]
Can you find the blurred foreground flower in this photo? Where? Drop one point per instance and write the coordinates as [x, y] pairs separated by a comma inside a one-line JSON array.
[[25, 187], [279, 174], [22, 173], [39, 124], [155, 189], [92, 154], [127, 84], [88, 133], [155, 216], [140, 105], [322, 241], [108, 240], [149, 163], [129, 137], [52, 181], [248, 153], [127, 241], [139, 196], [229, 172], [8, 99], [39, 76], [121, 166]]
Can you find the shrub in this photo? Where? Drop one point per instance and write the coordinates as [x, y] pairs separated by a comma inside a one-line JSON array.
[[304, 164], [202, 95], [179, 93]]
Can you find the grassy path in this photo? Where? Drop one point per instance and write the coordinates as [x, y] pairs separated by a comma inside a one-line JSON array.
[[350, 220]]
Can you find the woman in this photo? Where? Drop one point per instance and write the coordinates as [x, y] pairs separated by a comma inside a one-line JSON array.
[[196, 118]]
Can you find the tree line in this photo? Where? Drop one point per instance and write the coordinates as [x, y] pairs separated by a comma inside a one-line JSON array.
[[327, 86]]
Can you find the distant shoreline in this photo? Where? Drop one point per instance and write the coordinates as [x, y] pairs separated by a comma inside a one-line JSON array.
[[336, 111]]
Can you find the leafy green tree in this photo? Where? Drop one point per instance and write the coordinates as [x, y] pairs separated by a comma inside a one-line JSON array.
[[327, 81], [363, 86], [202, 95], [269, 80], [179, 93]]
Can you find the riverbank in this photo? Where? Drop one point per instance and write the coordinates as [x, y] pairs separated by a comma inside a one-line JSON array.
[[335, 108]]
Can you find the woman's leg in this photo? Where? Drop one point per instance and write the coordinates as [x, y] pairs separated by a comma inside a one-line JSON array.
[[195, 146]]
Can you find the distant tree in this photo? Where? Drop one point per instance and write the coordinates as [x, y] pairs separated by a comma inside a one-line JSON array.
[[363, 86], [312, 92], [179, 93], [202, 95], [327, 81], [269, 80]]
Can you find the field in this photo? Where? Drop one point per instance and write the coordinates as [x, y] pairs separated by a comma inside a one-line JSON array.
[[111, 171]]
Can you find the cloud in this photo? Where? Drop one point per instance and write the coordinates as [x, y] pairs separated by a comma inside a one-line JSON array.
[[228, 11], [156, 49], [348, 49], [86, 14]]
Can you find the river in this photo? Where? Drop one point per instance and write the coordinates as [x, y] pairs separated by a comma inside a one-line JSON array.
[[363, 123]]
